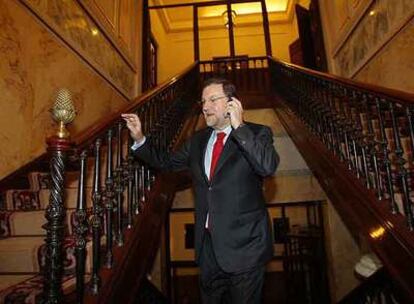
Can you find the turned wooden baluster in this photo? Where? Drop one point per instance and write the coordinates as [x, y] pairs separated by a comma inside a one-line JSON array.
[[319, 110], [142, 184], [362, 166], [119, 189], [353, 141], [329, 118], [337, 121], [372, 143], [409, 114], [386, 160], [130, 179], [55, 215], [402, 172], [345, 154], [108, 200], [81, 228], [323, 109], [363, 141], [96, 221], [373, 151]]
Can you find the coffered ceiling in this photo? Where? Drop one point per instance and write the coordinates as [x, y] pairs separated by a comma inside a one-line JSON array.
[[181, 18]]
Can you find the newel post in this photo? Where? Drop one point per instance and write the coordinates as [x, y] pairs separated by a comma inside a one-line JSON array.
[[59, 145]]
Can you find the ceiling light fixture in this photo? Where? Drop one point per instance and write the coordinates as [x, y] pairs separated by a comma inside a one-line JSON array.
[[226, 18]]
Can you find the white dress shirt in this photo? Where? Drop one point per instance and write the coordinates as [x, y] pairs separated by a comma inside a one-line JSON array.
[[209, 153]]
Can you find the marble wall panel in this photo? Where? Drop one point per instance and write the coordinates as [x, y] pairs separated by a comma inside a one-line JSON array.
[[396, 61], [126, 24], [379, 23], [33, 66], [343, 252], [109, 10], [76, 28]]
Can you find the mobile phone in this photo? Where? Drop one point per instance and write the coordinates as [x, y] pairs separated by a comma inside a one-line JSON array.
[[229, 98]]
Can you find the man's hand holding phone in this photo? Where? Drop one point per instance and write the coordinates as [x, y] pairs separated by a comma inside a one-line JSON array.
[[235, 112]]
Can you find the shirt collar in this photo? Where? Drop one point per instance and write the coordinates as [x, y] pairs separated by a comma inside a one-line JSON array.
[[226, 130]]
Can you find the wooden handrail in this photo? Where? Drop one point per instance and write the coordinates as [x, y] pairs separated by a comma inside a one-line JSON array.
[[358, 207], [86, 137], [141, 243], [17, 178], [163, 112], [134, 259], [234, 59], [401, 96], [378, 285]]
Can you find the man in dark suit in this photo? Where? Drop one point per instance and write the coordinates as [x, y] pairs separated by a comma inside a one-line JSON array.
[[228, 161]]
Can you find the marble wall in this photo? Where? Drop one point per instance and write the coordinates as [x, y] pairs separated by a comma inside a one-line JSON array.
[[393, 66], [382, 19], [370, 40], [342, 251], [34, 64], [72, 23]]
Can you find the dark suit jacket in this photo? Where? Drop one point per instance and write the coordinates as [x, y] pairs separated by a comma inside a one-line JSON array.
[[239, 222]]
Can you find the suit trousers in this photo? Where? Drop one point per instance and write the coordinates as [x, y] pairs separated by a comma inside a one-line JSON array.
[[220, 287]]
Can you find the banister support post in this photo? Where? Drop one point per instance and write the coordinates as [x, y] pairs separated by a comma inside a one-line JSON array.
[[55, 215]]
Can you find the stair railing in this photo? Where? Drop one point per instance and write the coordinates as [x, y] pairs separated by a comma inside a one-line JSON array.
[[247, 73], [376, 289], [122, 188], [359, 141]]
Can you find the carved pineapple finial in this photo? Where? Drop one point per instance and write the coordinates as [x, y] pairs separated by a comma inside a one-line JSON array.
[[63, 111]]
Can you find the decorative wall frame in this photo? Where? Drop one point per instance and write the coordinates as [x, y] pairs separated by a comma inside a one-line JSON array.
[[376, 27]]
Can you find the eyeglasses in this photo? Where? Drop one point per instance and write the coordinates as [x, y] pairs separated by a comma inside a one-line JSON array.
[[212, 99]]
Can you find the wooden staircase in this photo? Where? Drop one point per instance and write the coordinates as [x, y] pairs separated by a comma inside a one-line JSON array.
[[358, 141], [135, 208], [22, 245]]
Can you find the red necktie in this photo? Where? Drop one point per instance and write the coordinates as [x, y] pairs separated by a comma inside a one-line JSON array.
[[218, 147]]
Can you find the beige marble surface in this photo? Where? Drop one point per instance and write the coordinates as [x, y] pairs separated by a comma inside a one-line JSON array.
[[9, 280], [380, 22], [266, 117], [342, 252], [393, 67], [34, 64], [77, 29]]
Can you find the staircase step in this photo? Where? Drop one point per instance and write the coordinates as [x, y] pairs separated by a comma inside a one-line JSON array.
[[19, 254], [9, 280], [30, 200], [41, 180], [69, 260], [267, 117], [71, 198], [28, 289], [27, 254], [27, 223], [24, 200]]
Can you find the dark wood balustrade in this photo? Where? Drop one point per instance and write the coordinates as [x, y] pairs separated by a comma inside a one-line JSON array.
[[358, 140], [249, 74], [378, 288], [129, 205]]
